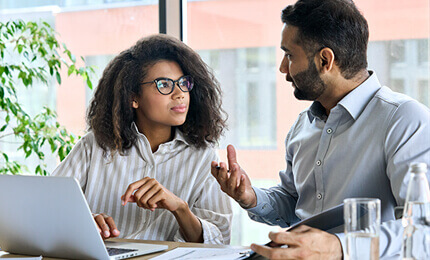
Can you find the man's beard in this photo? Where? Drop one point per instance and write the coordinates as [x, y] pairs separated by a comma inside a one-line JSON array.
[[308, 84]]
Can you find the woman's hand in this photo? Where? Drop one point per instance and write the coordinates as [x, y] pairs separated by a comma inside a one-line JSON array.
[[106, 226], [150, 194]]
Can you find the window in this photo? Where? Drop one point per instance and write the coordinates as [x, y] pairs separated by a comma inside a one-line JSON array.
[[19, 4], [398, 85], [247, 80], [423, 51], [95, 29], [397, 51], [423, 95], [99, 62], [401, 65]]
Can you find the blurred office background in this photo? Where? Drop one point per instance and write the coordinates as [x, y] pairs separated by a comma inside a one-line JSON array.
[[240, 40]]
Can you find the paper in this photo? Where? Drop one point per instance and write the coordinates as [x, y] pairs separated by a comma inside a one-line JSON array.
[[188, 253]]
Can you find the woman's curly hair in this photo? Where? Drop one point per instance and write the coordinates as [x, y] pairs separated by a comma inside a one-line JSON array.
[[110, 114]]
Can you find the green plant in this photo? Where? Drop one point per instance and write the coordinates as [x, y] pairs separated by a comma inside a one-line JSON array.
[[30, 54]]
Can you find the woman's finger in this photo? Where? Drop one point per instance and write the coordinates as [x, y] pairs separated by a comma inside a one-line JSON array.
[[132, 188], [104, 227], [114, 232], [148, 195], [150, 184]]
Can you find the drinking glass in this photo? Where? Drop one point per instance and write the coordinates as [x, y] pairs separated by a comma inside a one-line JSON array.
[[362, 223]]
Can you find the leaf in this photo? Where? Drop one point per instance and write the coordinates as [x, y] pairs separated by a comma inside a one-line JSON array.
[[89, 83], [71, 70], [46, 24], [13, 108], [57, 74], [38, 170], [52, 144], [61, 153], [3, 128], [41, 155], [28, 153]]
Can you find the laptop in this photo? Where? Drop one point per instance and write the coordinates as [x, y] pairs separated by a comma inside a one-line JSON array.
[[49, 216]]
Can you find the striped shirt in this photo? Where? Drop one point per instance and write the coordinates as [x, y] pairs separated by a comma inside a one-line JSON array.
[[178, 166]]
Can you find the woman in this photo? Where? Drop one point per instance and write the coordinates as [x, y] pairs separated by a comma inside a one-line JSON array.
[[144, 165]]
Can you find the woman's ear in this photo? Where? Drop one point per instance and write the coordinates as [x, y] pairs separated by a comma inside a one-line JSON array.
[[325, 60], [134, 104]]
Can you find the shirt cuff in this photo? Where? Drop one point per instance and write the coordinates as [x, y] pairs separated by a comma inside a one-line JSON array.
[[211, 233], [263, 207], [342, 240]]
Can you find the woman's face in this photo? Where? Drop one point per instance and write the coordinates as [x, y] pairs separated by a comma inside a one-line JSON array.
[[154, 110]]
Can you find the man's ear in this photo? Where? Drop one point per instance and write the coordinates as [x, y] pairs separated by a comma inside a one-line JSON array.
[[325, 60]]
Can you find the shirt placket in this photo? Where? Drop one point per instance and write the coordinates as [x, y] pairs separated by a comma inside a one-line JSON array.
[[328, 129], [148, 157]]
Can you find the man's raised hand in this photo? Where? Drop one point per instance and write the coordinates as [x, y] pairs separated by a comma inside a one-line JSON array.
[[233, 180]]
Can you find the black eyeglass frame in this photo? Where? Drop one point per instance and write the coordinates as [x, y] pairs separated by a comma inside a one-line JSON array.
[[174, 83]]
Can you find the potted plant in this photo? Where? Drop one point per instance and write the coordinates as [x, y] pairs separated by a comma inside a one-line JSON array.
[[30, 54]]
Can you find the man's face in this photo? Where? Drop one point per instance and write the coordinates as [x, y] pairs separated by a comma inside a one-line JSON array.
[[300, 70]]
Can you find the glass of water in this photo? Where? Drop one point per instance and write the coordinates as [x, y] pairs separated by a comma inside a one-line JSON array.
[[362, 223]]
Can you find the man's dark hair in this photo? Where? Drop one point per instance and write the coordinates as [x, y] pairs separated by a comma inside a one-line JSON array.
[[110, 114], [336, 24]]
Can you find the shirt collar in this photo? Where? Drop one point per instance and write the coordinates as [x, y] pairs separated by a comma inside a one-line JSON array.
[[316, 110], [178, 137], [354, 102]]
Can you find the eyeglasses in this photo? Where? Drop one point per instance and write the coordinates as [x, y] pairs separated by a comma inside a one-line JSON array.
[[165, 85]]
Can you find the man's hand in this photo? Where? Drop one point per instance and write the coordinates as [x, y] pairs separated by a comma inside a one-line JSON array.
[[150, 194], [303, 243], [106, 226], [234, 181]]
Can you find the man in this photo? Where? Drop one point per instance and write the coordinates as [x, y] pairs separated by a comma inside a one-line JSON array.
[[355, 140]]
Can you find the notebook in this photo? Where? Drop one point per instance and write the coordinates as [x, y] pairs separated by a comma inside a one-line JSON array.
[[49, 216]]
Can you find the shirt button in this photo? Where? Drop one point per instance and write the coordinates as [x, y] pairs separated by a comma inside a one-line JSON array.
[[319, 196], [318, 162], [329, 131]]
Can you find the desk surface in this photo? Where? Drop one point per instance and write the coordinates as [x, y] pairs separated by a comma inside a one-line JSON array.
[[171, 245]]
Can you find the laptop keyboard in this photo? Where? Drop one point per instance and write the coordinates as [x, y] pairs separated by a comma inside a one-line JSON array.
[[116, 251]]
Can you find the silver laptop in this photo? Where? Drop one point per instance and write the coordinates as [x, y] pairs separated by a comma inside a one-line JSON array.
[[49, 216]]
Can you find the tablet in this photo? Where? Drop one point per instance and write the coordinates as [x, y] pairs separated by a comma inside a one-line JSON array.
[[326, 221]]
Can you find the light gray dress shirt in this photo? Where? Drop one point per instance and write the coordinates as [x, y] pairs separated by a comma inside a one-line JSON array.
[[362, 149], [177, 165]]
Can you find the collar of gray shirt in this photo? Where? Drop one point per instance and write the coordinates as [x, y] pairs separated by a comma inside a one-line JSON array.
[[354, 103]]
